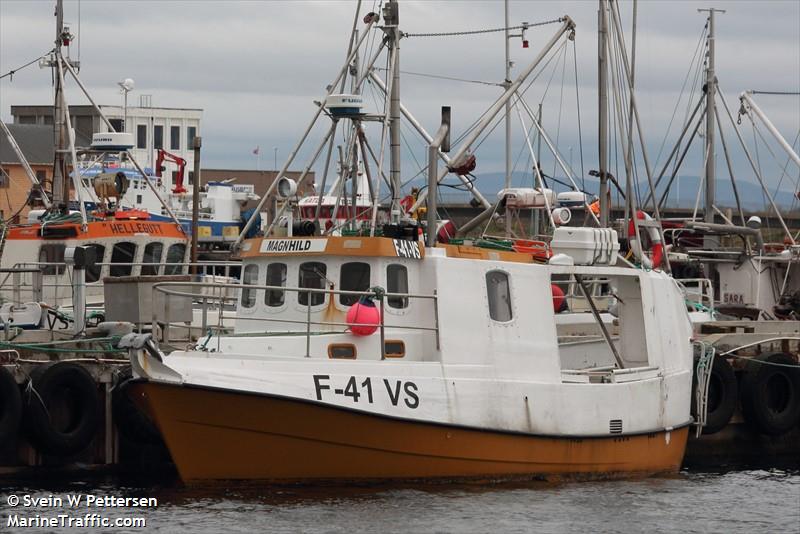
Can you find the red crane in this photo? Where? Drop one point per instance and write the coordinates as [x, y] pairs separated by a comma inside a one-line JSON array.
[[180, 162]]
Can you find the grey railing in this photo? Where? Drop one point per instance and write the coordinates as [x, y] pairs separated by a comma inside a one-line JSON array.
[[164, 287]]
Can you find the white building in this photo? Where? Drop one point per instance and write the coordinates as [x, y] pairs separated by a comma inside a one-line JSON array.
[[172, 129]]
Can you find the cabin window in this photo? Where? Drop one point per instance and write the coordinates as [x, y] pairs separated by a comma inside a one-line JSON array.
[[498, 291], [52, 254], [397, 282], [312, 276], [276, 276], [353, 276], [94, 271], [152, 258], [250, 277], [122, 253], [141, 136], [175, 255]]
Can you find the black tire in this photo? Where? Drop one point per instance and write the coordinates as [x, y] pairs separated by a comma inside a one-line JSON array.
[[62, 413], [722, 396], [129, 420], [10, 408], [771, 394]]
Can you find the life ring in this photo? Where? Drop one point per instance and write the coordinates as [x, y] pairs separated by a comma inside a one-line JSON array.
[[722, 396], [656, 246], [10, 408], [62, 412], [131, 422], [771, 393]]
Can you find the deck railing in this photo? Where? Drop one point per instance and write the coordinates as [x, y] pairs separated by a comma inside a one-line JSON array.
[[189, 290]]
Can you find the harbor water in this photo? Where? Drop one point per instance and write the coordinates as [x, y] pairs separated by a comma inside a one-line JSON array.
[[742, 500]]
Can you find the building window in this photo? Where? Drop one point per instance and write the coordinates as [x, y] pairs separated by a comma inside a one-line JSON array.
[[152, 258], [312, 276], [498, 292], [41, 176], [141, 136], [397, 282], [276, 276], [191, 133], [117, 124], [175, 255], [93, 273], [190, 178], [175, 137], [158, 136], [122, 253], [353, 277], [27, 119], [4, 179], [249, 278], [52, 254]]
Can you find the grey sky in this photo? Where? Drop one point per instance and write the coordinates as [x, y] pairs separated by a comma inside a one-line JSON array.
[[256, 67]]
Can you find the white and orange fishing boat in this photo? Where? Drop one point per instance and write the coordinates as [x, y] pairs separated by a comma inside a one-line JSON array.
[[469, 372], [118, 242], [371, 355]]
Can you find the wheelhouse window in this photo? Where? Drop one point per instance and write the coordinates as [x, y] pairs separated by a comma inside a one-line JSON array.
[[175, 255], [94, 271], [397, 282], [250, 277], [152, 258], [353, 276], [312, 276], [52, 253], [276, 276], [122, 253], [498, 291]]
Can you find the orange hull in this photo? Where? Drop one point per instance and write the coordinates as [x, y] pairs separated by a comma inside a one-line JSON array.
[[226, 435]]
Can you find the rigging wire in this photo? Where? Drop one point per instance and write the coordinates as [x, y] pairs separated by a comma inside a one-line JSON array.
[[578, 107], [561, 102], [487, 30], [451, 78], [11, 73], [689, 72]]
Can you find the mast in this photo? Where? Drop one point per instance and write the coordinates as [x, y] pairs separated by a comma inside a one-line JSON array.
[[391, 18], [60, 128], [711, 91], [506, 85], [602, 94]]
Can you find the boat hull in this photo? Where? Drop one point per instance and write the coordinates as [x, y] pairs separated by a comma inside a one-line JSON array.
[[219, 434]]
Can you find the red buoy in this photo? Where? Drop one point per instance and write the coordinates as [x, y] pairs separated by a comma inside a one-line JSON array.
[[559, 300], [363, 318]]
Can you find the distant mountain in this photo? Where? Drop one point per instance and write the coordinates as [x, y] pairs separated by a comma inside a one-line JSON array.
[[750, 194]]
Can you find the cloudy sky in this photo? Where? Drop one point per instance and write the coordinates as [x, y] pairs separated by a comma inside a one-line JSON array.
[[256, 67]]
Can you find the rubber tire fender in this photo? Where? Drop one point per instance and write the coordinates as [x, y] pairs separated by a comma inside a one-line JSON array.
[[722, 395], [760, 383], [136, 426], [10, 408], [62, 390]]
